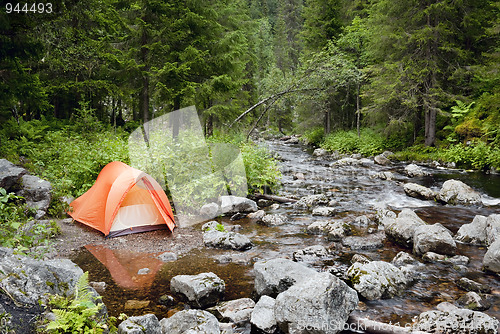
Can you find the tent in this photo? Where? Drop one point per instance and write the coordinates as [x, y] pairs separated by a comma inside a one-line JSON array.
[[123, 200]]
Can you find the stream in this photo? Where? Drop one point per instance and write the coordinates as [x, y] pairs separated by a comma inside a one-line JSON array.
[[356, 192]]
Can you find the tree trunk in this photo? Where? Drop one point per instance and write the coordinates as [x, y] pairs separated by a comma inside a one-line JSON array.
[[327, 122], [210, 126], [358, 111], [430, 127], [176, 117], [144, 98]]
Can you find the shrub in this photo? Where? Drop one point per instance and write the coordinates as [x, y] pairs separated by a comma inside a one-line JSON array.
[[314, 136], [369, 143], [261, 169]]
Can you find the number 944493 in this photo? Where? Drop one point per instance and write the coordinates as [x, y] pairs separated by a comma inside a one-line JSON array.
[[26, 8]]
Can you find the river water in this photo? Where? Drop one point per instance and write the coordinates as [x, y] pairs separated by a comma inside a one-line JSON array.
[[357, 192]]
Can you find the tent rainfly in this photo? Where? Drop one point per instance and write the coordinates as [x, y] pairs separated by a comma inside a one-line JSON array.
[[123, 200]]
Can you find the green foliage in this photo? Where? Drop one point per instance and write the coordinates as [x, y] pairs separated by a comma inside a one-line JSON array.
[[219, 227], [262, 169], [477, 155], [314, 136], [77, 314], [369, 143]]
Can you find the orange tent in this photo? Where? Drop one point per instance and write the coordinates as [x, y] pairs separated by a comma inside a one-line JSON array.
[[123, 200]]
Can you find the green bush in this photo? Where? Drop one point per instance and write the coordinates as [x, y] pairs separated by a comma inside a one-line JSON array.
[[477, 155], [369, 143], [314, 136], [261, 168]]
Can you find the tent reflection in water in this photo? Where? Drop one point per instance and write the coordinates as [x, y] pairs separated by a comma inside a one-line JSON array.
[[123, 200]]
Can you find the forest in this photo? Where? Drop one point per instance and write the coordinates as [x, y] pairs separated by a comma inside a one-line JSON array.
[[420, 78]]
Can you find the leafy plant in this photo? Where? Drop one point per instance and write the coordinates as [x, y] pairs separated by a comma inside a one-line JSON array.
[[369, 143], [219, 227]]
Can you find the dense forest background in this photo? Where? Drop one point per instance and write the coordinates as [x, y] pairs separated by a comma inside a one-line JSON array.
[[419, 74]]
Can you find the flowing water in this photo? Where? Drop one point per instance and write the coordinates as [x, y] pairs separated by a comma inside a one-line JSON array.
[[357, 193]]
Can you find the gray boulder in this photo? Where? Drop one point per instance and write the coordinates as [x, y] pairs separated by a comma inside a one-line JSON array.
[[381, 160], [457, 192], [454, 260], [191, 322], [310, 201], [377, 279], [237, 311], [334, 230], [168, 257], [319, 152], [311, 254], [419, 191], [457, 321], [234, 204], [144, 324], [28, 280], [201, 290], [274, 219], [263, 315], [209, 210], [324, 211], [433, 238], [492, 228], [402, 228], [37, 193], [226, 240], [371, 241], [413, 170], [384, 176], [473, 233], [258, 215], [319, 305], [470, 285], [277, 275], [10, 174], [491, 260], [472, 301], [402, 259], [346, 162]]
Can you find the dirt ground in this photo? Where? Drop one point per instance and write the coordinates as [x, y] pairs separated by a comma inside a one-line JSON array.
[[75, 235]]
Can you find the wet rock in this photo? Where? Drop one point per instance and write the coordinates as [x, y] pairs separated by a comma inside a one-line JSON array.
[[166, 300], [168, 257], [492, 228], [263, 318], [319, 305], [377, 279], [134, 305], [402, 228], [413, 170], [277, 275], [382, 160], [147, 324], [362, 220], [470, 285], [37, 193], [433, 238], [324, 227], [191, 321], [209, 210], [100, 287], [211, 225], [238, 216], [402, 259], [491, 260], [456, 260], [457, 192], [459, 260], [473, 233], [346, 162], [371, 241], [262, 203], [311, 254], [298, 176], [356, 156], [458, 321], [28, 281], [226, 240], [201, 290], [274, 220], [234, 204], [310, 201], [324, 211], [237, 311], [10, 174], [257, 215], [144, 271], [360, 258], [293, 140], [384, 176], [418, 191], [227, 327], [319, 152], [473, 301], [274, 206]]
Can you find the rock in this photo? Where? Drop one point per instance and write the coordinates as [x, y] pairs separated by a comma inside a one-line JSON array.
[[384, 176], [28, 281], [433, 238], [168, 257], [201, 290], [234, 204], [319, 305], [311, 254], [334, 231], [473, 301], [319, 152], [491, 260], [377, 279], [10, 174], [401, 229], [133, 305], [277, 275], [402, 259], [418, 191], [470, 285], [257, 215], [381, 160], [191, 322], [144, 271], [166, 300], [238, 216], [324, 211], [457, 260], [473, 233], [356, 156], [144, 324], [211, 226], [226, 328], [237, 311], [372, 241], [387, 154], [292, 140], [100, 287], [226, 240], [298, 176], [274, 220], [346, 162], [360, 258], [209, 210], [433, 257], [457, 192], [262, 203], [37, 193], [307, 202], [459, 321], [413, 170], [263, 315], [492, 228], [362, 220]]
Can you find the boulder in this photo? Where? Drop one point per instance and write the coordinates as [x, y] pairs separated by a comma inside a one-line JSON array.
[[402, 228], [234, 204], [491, 260], [299, 176], [37, 193], [311, 254], [28, 281], [324, 211], [360, 258], [310, 201], [473, 233], [191, 322], [402, 259], [135, 305], [263, 318], [473, 301], [384, 176], [458, 321], [144, 324], [377, 279], [237, 311], [320, 152], [371, 241], [433, 238], [470, 285], [274, 219], [277, 275], [381, 160], [257, 215], [226, 240], [209, 210], [319, 305], [419, 191], [457, 192], [201, 290], [346, 162], [10, 174], [413, 170], [492, 228], [336, 229], [168, 257]]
